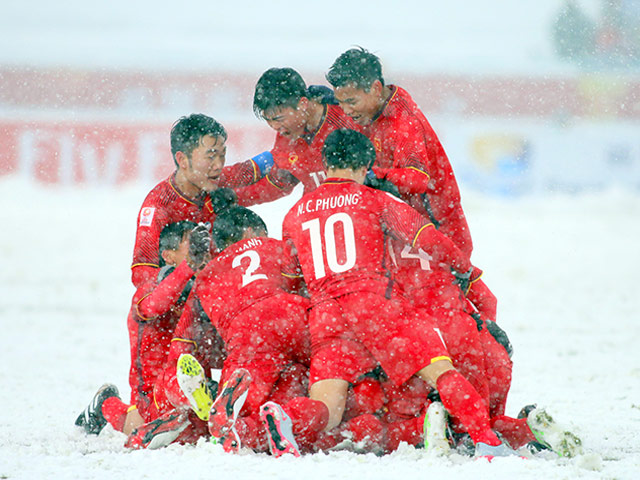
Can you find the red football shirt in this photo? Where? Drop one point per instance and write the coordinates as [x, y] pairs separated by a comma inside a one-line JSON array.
[[243, 274], [296, 161], [166, 204], [410, 153], [339, 232]]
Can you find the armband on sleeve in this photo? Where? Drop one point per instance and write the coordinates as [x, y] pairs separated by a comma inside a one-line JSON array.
[[264, 161]]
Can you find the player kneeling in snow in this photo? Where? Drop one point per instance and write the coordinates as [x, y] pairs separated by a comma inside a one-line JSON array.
[[156, 308]]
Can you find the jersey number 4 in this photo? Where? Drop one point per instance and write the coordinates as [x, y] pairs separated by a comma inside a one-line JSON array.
[[325, 241]]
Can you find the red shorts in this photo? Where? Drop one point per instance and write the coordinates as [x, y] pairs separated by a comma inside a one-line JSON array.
[[269, 339], [352, 334]]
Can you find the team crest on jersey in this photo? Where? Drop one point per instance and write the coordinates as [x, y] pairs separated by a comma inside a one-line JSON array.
[[146, 216], [293, 158], [377, 144]]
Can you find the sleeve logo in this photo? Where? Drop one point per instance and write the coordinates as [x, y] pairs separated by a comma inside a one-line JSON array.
[[146, 216]]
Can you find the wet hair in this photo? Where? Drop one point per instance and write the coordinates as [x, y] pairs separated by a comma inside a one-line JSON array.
[[188, 131], [277, 88], [221, 198], [346, 148], [356, 67], [172, 235], [231, 224]]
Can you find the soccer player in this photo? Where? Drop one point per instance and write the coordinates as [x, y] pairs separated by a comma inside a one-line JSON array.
[[356, 322], [408, 151], [245, 292], [302, 118], [410, 155], [198, 146], [155, 310]]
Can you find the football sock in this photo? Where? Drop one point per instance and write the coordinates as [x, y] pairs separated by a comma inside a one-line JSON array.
[[464, 402], [309, 418], [516, 431], [115, 412]]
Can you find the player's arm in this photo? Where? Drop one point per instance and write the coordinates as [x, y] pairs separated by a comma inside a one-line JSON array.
[[409, 180], [165, 293], [145, 265], [276, 184], [248, 172], [483, 298], [183, 341], [293, 280], [406, 223]]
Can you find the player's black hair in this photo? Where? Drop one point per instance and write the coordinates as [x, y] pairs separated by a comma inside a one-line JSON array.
[[321, 94], [356, 67], [221, 198], [276, 88], [171, 236], [346, 148], [188, 131], [231, 223]]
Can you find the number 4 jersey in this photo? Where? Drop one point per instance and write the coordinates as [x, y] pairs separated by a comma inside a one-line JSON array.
[[339, 232]]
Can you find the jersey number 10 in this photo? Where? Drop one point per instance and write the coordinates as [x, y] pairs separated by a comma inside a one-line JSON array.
[[327, 243]]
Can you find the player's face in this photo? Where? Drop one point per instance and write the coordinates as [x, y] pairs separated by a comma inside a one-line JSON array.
[[361, 105], [203, 168], [183, 250], [287, 121]]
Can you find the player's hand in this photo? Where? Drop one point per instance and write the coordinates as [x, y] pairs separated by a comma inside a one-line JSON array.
[[463, 279], [199, 245], [221, 198], [371, 180]]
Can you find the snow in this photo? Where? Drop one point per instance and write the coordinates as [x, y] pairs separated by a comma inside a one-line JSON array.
[[564, 268]]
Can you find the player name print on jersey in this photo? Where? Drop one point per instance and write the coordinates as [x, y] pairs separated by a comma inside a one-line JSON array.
[[336, 201], [146, 216]]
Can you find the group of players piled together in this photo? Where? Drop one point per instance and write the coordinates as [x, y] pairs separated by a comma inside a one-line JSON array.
[[365, 326]]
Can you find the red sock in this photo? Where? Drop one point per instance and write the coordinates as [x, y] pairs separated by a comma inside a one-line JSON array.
[[115, 412], [516, 431], [309, 417], [464, 402]]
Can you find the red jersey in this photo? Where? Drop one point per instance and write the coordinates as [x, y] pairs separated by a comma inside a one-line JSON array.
[[165, 204], [243, 274], [409, 154], [339, 232], [296, 161], [156, 308]]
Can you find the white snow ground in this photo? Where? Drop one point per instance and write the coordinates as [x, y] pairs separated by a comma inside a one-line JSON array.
[[564, 268]]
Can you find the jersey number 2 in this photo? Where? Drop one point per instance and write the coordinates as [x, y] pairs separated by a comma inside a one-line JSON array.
[[254, 263]]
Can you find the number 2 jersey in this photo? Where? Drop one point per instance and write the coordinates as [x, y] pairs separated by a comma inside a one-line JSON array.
[[243, 274], [339, 232]]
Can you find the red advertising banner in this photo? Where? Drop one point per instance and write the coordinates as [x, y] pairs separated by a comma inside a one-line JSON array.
[[103, 153]]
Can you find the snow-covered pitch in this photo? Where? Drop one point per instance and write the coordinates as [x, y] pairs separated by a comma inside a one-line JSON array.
[[565, 269]]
